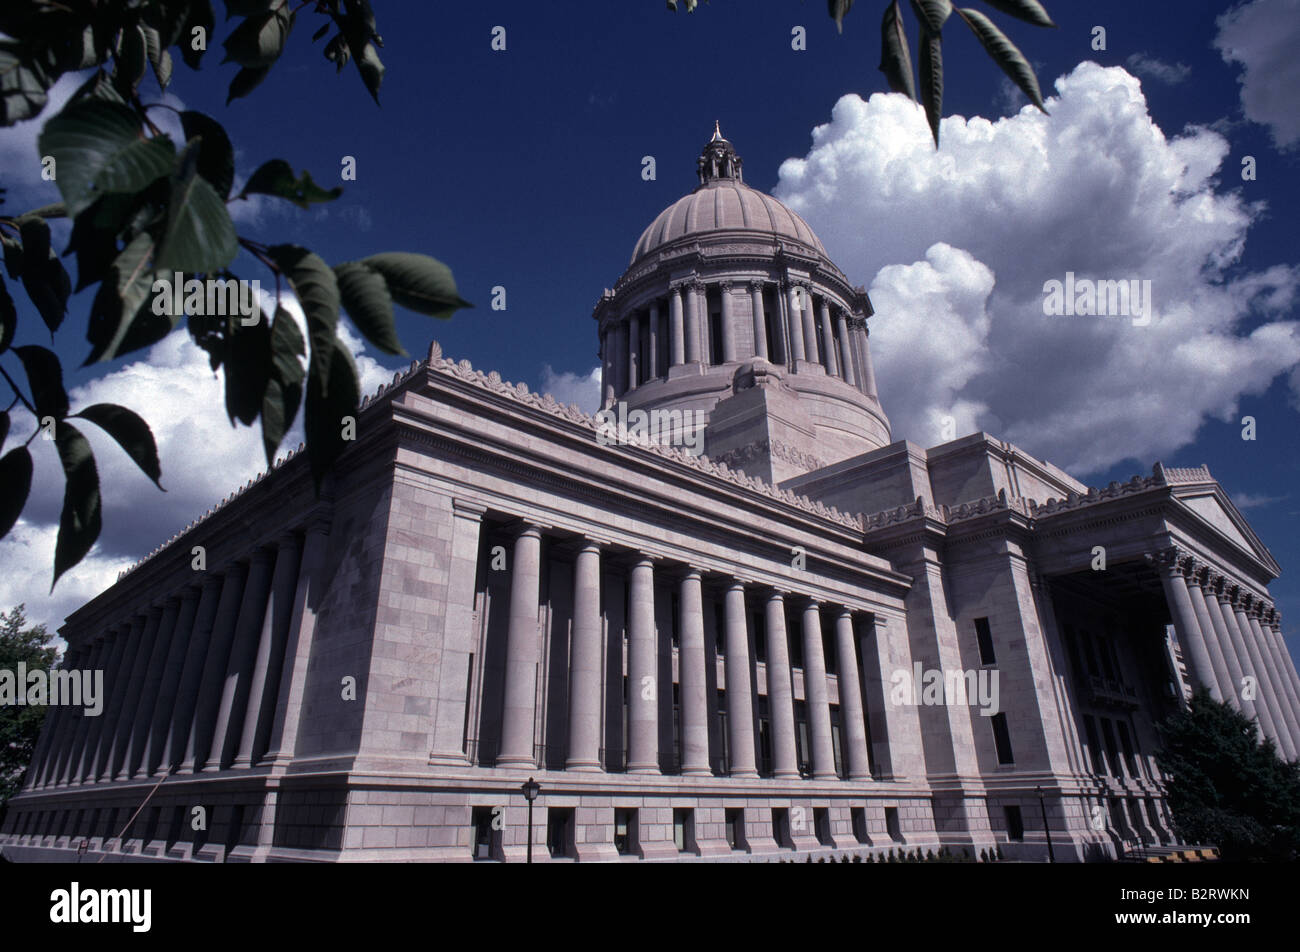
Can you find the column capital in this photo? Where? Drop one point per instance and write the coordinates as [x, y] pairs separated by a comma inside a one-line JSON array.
[[262, 555], [726, 285], [756, 284], [467, 508]]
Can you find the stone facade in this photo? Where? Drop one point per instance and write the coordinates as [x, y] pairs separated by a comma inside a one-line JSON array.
[[810, 641]]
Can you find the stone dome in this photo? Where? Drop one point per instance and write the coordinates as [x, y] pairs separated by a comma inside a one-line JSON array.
[[724, 203]]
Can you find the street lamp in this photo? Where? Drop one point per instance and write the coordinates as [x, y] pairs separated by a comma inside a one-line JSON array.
[[531, 789], [1042, 805]]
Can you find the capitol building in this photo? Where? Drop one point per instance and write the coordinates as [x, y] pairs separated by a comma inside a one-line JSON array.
[[730, 617]]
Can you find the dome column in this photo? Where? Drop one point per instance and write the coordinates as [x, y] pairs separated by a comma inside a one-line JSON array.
[[867, 383], [760, 320], [693, 323], [633, 350], [676, 328], [652, 341], [794, 324], [828, 339], [846, 348], [728, 330]]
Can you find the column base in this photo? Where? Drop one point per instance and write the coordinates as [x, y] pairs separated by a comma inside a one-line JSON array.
[[516, 762], [697, 772], [584, 766]]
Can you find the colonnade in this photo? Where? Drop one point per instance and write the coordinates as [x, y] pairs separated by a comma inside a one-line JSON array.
[[1232, 642], [519, 710], [645, 342], [191, 683]]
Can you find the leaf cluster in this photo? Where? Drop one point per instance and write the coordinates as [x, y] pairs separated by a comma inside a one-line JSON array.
[[21, 726]]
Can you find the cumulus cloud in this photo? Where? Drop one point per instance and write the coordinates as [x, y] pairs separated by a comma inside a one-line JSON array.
[[1171, 74], [569, 387], [957, 245], [203, 460], [1262, 36]]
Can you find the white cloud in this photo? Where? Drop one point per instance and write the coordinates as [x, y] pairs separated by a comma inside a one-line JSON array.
[[1255, 500], [203, 460], [1263, 36], [568, 387], [1171, 74], [1095, 188]]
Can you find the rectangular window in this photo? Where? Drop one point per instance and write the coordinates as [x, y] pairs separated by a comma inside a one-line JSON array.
[[1015, 824], [1002, 738], [625, 832], [802, 747], [735, 827], [1127, 744], [822, 826], [677, 726], [859, 815], [724, 748], [985, 638], [891, 824], [559, 830], [781, 827], [715, 338], [829, 652], [1112, 752], [683, 831], [794, 638], [482, 819], [719, 630], [1094, 745], [676, 620], [758, 625]]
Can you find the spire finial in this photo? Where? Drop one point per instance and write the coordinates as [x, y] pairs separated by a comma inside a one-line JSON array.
[[717, 130], [718, 160]]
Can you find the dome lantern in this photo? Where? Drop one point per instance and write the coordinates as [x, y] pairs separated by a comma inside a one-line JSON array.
[[718, 161]]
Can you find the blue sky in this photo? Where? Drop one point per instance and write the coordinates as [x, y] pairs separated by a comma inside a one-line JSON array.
[[522, 169]]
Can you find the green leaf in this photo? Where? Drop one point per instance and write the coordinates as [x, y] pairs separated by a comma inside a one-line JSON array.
[[371, 69], [13, 249], [417, 282], [4, 426], [932, 81], [94, 237], [198, 15], [131, 433], [245, 81], [259, 40], [933, 14], [44, 278], [286, 347], [323, 424], [318, 292], [216, 160], [97, 147], [1005, 54], [1031, 11], [895, 60], [130, 62], [15, 485], [79, 522], [8, 320], [838, 8], [248, 368], [365, 296], [45, 376], [321, 32], [284, 388], [97, 87], [120, 299], [276, 178], [200, 236], [23, 84]]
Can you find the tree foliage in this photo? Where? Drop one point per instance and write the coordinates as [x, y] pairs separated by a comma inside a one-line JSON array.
[[1225, 787], [931, 16], [20, 726], [145, 209]]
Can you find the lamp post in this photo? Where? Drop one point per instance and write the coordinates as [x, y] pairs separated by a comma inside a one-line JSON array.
[[1042, 805], [531, 789]]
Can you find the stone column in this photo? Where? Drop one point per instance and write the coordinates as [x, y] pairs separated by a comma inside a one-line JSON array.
[[1276, 727], [1190, 635], [263, 685], [728, 328], [137, 732], [634, 350], [71, 764], [1235, 672], [691, 662], [1287, 665], [740, 693], [828, 340], [760, 320], [805, 306], [1249, 668], [693, 354], [846, 349], [100, 734], [308, 594], [816, 695], [239, 666], [851, 713], [606, 370], [212, 674], [1276, 650], [794, 324], [179, 728], [642, 681], [676, 328], [652, 339], [58, 731], [1212, 645], [519, 710], [584, 662], [868, 380], [621, 348], [113, 742], [169, 684], [780, 691]]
